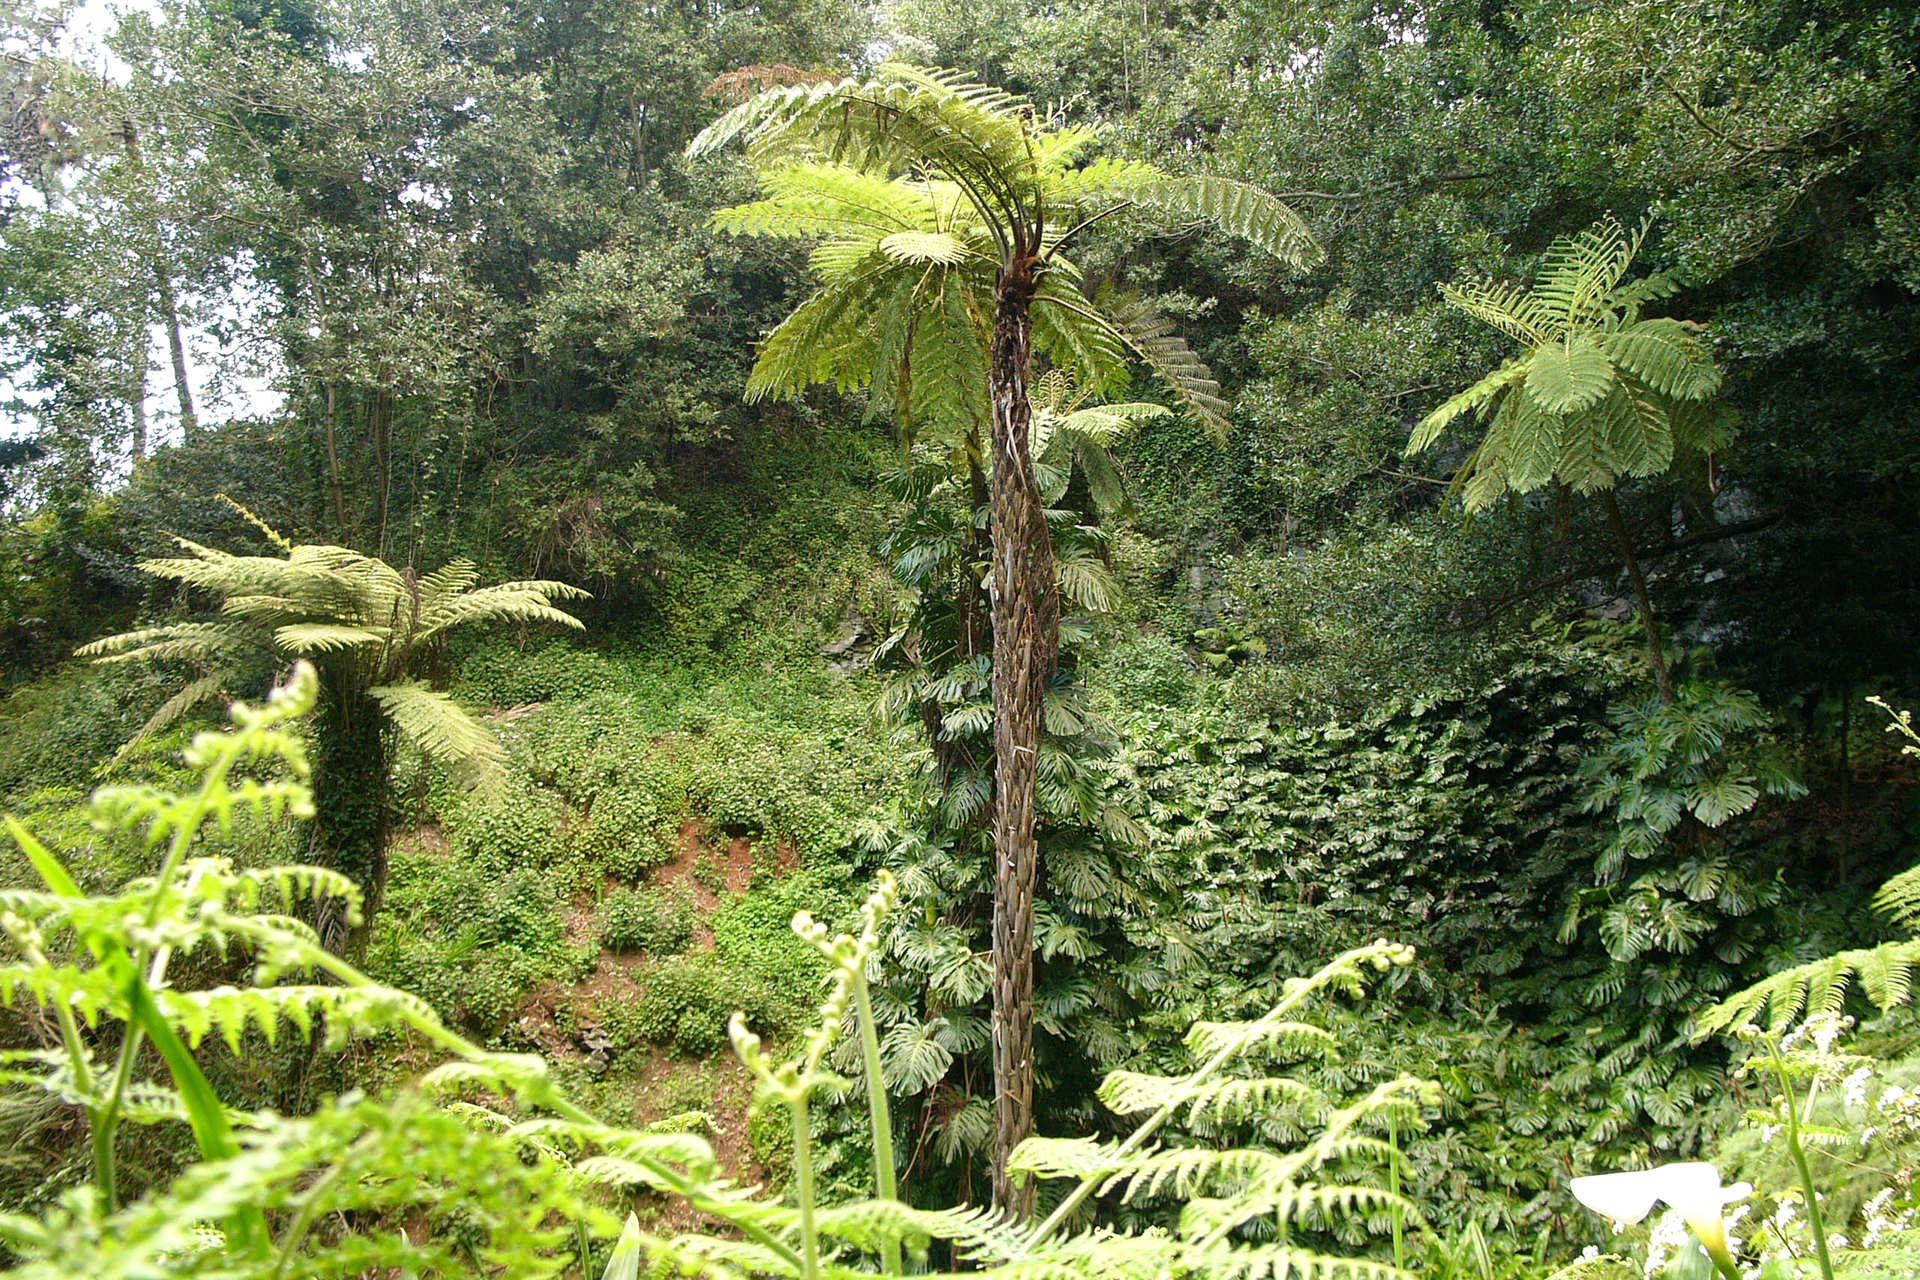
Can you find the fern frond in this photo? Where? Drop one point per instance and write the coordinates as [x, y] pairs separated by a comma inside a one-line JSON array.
[[1160, 347], [1086, 583], [1128, 1092], [934, 248], [440, 727], [230, 1011], [1665, 355], [1608, 1266], [1503, 307], [1069, 328], [446, 583], [528, 601], [1294, 1039], [1478, 396], [1236, 207], [1885, 975], [180, 640], [323, 637], [192, 695], [1899, 899], [1568, 376], [1283, 1262]]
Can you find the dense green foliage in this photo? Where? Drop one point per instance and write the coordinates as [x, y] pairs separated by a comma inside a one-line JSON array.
[[444, 288]]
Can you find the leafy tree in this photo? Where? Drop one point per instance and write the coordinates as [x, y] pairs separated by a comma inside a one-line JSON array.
[[1023, 195], [371, 630], [1600, 393]]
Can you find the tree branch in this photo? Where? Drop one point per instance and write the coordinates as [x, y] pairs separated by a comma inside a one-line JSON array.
[[1593, 569]]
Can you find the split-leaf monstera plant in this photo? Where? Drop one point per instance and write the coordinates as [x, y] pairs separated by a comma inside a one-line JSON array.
[[368, 628]]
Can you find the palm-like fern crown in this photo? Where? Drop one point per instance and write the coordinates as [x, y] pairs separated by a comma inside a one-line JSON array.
[[922, 189], [363, 622], [1599, 392]]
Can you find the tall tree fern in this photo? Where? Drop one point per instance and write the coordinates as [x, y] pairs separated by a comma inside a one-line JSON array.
[[1599, 393], [368, 628], [938, 204]]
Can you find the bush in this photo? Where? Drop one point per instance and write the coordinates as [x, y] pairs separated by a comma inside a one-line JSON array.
[[518, 830], [634, 920], [470, 941], [685, 1003], [624, 835], [753, 932]]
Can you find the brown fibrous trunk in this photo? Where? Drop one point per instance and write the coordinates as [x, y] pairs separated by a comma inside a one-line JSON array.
[[1656, 652], [1026, 640]]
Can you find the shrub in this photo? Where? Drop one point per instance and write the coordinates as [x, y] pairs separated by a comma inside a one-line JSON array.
[[753, 933], [471, 941], [644, 920], [685, 1003], [623, 835]]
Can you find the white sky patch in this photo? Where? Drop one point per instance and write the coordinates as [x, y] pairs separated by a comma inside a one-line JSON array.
[[233, 364]]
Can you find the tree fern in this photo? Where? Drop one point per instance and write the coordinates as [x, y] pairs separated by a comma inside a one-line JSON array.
[[368, 627], [930, 131], [1596, 395], [1884, 974]]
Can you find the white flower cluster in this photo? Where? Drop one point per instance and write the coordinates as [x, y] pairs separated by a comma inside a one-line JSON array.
[[1881, 1224], [1668, 1237]]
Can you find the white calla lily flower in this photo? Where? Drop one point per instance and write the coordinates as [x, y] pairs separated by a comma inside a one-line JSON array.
[[1691, 1187]]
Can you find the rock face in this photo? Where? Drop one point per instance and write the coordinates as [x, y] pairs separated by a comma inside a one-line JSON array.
[[853, 649], [597, 1044]]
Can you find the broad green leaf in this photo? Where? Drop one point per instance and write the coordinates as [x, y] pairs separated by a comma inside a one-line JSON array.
[[44, 863], [1567, 377], [624, 1263]]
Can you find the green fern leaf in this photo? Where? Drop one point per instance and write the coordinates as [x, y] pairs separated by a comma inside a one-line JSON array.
[[1885, 974]]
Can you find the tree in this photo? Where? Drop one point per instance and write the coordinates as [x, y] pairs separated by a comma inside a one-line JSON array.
[[369, 629], [1600, 393], [1021, 196]]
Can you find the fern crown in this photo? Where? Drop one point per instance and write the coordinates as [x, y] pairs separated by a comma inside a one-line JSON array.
[[1598, 392], [363, 622], [921, 190]]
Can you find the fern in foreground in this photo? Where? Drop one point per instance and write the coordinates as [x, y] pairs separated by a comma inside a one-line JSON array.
[[523, 1184]]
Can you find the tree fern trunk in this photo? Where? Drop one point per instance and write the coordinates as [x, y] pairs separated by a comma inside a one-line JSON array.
[[1026, 640], [1656, 653], [350, 804]]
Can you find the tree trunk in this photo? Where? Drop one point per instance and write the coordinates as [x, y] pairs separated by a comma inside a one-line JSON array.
[[170, 313], [1026, 642], [1846, 780], [380, 415], [1656, 654], [350, 805], [333, 468], [163, 291], [137, 397]]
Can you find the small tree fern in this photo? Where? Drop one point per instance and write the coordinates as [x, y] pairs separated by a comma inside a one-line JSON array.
[[1598, 394], [369, 629], [1884, 974]]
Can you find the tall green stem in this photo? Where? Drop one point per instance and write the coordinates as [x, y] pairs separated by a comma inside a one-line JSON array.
[[106, 1120], [1815, 1219], [803, 1186], [877, 1116], [1393, 1185]]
